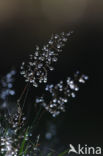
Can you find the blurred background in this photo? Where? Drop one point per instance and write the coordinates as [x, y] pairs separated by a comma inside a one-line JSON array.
[[24, 24]]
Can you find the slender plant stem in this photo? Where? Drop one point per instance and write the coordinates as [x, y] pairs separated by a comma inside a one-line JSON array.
[[25, 97], [23, 92]]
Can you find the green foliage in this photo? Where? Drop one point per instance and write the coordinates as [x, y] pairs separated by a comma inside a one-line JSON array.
[[50, 154], [21, 151], [63, 153]]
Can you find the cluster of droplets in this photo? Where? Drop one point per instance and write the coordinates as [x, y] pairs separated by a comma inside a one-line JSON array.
[[10, 145], [11, 140], [60, 93], [6, 87], [7, 147], [35, 70], [16, 120]]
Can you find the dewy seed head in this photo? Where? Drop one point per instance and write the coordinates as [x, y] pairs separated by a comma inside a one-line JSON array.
[[60, 94], [35, 70]]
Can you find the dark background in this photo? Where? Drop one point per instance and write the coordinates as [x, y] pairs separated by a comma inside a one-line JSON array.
[[27, 23]]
